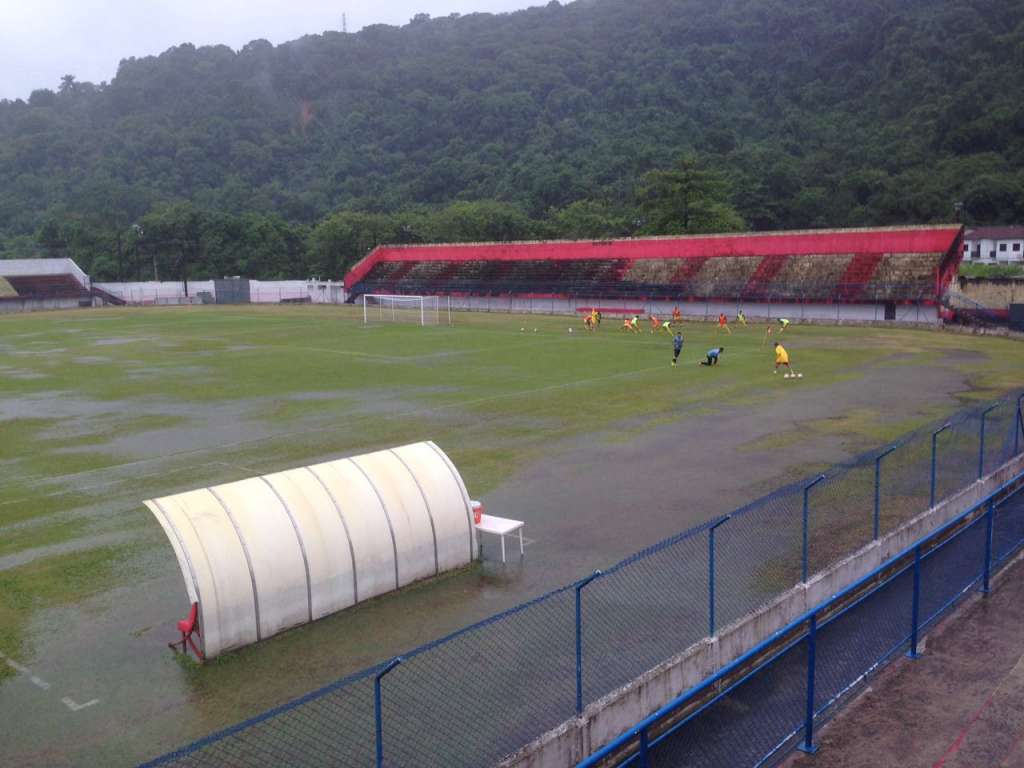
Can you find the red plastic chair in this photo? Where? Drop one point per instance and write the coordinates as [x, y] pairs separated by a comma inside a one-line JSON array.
[[189, 627]]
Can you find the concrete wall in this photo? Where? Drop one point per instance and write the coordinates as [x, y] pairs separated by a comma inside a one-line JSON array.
[[620, 710], [36, 305], [994, 293], [905, 313]]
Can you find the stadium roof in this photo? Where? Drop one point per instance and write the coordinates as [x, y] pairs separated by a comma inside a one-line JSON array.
[[823, 242], [37, 267]]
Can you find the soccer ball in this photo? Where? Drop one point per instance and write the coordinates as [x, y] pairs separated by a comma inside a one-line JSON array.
[[799, 375], [570, 330], [521, 330], [534, 330], [785, 376]]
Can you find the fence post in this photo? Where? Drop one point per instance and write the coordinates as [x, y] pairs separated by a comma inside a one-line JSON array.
[[981, 440], [812, 643], [376, 708], [1018, 427], [935, 438], [644, 746], [878, 485], [803, 560], [915, 605], [711, 574], [987, 567], [579, 640]]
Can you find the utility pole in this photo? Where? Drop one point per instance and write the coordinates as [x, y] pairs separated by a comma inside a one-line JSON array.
[[344, 24]]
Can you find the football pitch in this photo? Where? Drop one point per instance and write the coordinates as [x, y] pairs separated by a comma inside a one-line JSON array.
[[593, 439]]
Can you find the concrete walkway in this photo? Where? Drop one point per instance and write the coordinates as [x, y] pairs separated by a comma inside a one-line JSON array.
[[959, 706]]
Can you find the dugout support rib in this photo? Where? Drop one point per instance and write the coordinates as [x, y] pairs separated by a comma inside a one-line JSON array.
[[189, 627]]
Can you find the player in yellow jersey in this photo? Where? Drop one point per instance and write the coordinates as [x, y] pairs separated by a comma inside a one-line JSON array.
[[666, 326], [782, 358], [634, 324], [741, 318]]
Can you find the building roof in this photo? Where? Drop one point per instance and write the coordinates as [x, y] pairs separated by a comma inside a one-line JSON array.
[[995, 233]]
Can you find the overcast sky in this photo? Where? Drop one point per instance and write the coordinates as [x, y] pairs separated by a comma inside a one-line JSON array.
[[41, 40]]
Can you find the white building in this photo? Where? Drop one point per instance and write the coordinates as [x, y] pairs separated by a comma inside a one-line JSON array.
[[994, 245]]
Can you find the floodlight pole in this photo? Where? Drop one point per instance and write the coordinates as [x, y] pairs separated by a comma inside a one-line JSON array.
[[878, 491], [377, 708], [807, 489], [935, 438], [981, 440]]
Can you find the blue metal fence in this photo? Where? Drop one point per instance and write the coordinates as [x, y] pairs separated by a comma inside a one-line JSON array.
[[774, 697], [477, 695]]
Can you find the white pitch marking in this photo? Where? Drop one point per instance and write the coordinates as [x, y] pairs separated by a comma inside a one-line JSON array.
[[18, 667], [40, 683], [68, 702]]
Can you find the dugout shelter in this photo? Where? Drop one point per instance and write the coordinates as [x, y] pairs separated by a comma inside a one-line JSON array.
[[268, 553]]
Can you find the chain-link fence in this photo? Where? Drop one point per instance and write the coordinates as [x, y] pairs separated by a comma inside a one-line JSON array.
[[765, 703], [476, 696]]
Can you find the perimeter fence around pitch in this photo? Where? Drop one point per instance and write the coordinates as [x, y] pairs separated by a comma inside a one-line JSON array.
[[754, 710], [476, 696]]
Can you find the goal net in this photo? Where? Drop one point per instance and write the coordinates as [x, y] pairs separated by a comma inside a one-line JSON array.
[[421, 310]]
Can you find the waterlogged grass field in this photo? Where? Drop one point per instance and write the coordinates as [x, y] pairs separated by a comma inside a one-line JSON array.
[[102, 409]]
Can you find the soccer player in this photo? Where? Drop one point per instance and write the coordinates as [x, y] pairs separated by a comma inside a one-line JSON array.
[[588, 322], [784, 323], [713, 355], [723, 322], [782, 358], [627, 324], [634, 324], [677, 316], [741, 318], [677, 347], [595, 318], [655, 324], [667, 327]]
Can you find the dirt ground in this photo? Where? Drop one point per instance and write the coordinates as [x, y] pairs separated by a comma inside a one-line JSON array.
[[961, 705]]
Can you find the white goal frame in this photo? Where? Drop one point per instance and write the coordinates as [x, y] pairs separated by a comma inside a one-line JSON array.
[[398, 307]]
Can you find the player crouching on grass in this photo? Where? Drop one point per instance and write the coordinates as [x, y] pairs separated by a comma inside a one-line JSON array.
[[677, 347], [713, 355], [782, 358]]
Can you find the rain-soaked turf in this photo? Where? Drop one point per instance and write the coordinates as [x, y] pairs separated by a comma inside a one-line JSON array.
[[593, 438]]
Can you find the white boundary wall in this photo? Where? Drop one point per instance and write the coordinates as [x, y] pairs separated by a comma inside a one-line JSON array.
[[704, 310], [260, 291]]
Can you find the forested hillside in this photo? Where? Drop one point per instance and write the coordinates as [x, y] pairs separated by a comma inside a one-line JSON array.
[[295, 159]]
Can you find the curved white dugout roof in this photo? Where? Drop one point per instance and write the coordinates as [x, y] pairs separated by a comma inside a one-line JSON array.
[[272, 552]]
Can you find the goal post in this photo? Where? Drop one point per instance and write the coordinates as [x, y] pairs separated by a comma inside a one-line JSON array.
[[421, 310]]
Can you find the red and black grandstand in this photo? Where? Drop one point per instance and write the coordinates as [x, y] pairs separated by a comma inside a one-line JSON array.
[[891, 265]]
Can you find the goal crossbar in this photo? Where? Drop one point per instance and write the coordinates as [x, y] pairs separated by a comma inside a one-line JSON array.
[[424, 310]]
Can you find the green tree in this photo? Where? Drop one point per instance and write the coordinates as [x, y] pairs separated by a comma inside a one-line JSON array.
[[687, 199]]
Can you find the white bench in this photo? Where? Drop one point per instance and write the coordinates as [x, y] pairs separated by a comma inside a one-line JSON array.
[[502, 527]]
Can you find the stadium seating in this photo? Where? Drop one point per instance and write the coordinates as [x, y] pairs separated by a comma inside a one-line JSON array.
[[48, 287], [894, 265]]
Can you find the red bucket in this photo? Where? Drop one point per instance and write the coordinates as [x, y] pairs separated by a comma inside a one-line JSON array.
[[478, 511]]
